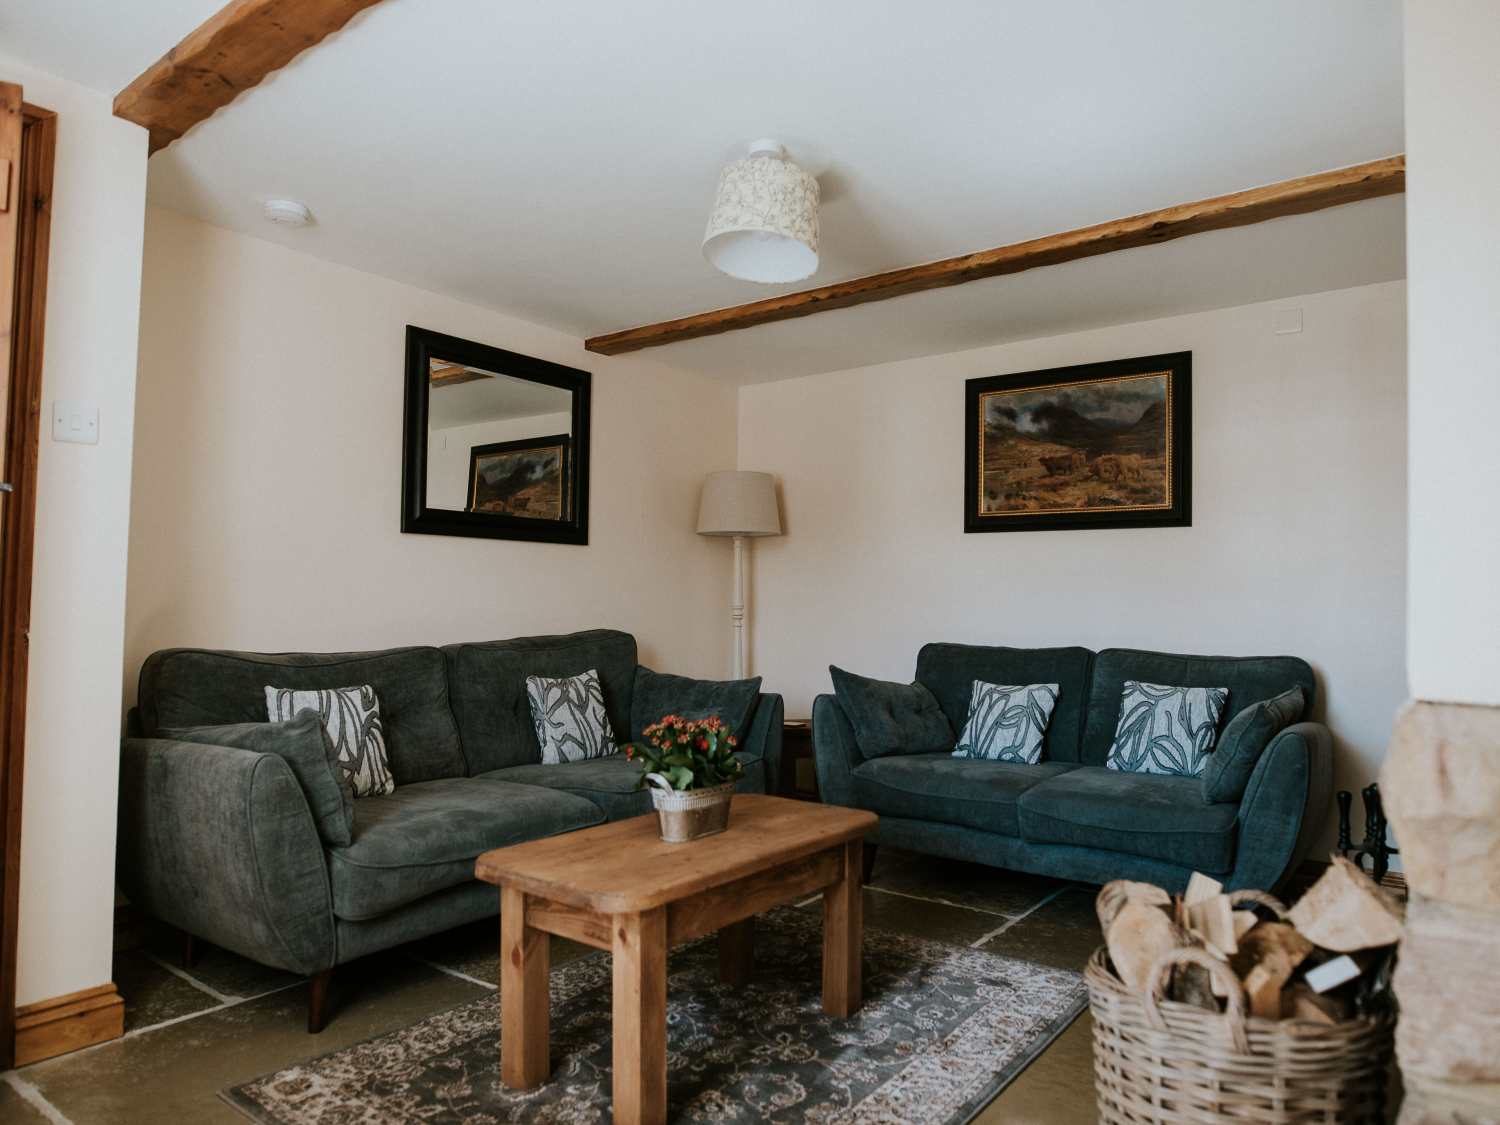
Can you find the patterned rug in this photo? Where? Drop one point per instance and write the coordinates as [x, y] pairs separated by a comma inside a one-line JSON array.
[[943, 1029]]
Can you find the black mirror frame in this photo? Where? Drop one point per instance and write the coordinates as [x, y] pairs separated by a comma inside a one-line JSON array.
[[422, 345]]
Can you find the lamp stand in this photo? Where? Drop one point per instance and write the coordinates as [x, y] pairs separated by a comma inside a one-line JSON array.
[[737, 607]]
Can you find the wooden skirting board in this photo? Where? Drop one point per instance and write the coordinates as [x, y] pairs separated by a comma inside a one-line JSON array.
[[68, 1023], [1237, 209]]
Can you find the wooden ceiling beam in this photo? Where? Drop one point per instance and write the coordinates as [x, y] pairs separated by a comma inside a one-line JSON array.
[[1240, 208], [229, 53]]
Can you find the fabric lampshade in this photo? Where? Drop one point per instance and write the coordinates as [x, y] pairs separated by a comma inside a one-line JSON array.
[[764, 222], [739, 503]]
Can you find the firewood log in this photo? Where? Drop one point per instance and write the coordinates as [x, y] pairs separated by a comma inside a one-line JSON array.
[[1212, 920], [1201, 887], [1265, 961], [1137, 936], [1299, 1002], [1112, 896], [1345, 910]]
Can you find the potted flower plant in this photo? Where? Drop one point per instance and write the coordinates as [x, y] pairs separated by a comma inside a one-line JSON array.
[[690, 768]]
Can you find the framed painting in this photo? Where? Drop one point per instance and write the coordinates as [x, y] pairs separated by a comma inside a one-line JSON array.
[[1098, 445], [527, 478]]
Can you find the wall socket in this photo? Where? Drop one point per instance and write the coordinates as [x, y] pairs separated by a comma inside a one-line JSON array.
[[75, 421]]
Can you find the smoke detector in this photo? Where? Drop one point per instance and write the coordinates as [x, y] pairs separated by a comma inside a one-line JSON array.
[[287, 212]]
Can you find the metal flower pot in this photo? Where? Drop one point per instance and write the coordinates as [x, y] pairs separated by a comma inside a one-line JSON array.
[[690, 814]]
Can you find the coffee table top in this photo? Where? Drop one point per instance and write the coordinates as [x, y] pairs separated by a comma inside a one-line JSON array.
[[624, 867]]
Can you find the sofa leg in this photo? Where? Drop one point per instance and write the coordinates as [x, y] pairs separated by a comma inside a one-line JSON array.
[[869, 864], [189, 950], [317, 1001]]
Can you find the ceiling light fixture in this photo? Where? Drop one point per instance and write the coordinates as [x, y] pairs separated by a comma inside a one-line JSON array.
[[764, 223], [287, 212]]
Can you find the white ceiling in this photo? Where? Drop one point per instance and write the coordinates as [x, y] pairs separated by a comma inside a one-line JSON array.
[[496, 399], [557, 160]]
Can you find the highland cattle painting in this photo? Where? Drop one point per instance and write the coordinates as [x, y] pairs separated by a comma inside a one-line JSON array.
[[1098, 445], [520, 478]]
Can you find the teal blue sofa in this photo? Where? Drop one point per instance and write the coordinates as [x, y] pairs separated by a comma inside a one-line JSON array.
[[1068, 816], [221, 842]]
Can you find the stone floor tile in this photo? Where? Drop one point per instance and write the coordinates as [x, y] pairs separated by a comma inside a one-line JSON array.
[[1056, 1089], [226, 973], [920, 918], [174, 1073], [1061, 933], [16, 1110], [961, 884], [153, 994]]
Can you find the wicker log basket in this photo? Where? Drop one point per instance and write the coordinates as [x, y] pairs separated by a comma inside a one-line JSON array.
[[1156, 1060]]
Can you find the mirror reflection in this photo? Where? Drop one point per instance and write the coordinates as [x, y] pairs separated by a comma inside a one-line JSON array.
[[496, 443]]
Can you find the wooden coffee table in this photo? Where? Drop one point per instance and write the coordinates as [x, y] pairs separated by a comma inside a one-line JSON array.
[[618, 887]]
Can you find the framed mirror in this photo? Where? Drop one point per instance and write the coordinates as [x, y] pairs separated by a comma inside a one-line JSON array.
[[496, 444]]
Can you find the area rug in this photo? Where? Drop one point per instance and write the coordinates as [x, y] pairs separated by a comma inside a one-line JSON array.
[[943, 1029]]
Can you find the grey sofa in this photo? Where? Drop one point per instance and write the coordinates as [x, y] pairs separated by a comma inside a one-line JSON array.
[[221, 842], [1067, 815]]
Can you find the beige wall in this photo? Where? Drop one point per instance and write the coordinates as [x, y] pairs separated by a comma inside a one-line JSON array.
[[82, 525], [267, 484], [1299, 515], [1453, 255]]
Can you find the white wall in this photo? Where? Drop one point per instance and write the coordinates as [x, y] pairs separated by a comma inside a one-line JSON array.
[[1453, 263], [448, 452], [267, 483], [1299, 515], [82, 528]]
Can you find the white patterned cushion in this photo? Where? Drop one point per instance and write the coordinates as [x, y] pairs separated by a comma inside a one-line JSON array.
[[351, 716], [1167, 730], [1006, 722], [568, 713]]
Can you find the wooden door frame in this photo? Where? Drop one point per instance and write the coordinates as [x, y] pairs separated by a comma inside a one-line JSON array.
[[33, 196]]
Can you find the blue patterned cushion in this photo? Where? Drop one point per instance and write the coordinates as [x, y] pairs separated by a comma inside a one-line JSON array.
[[1007, 723], [568, 712], [351, 716], [1165, 729]]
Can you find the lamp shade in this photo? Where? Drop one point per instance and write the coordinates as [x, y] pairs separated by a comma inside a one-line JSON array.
[[739, 503], [764, 222]]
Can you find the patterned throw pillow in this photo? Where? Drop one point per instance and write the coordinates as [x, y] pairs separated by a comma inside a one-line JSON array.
[[351, 716], [1006, 723], [1165, 729], [568, 712]]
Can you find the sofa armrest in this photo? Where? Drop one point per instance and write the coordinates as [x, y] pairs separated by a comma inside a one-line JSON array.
[[762, 742], [835, 752], [220, 842], [1283, 809]]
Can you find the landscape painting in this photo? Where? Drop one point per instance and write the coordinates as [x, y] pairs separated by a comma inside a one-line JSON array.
[[525, 478], [1099, 445]]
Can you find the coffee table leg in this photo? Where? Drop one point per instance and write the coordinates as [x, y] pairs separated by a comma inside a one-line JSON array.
[[843, 935], [524, 1000], [737, 952], [640, 1017]]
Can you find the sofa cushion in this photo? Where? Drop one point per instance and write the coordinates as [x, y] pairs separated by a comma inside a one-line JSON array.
[[1245, 738], [610, 783], [967, 791], [488, 688], [425, 837], [1144, 814], [949, 672], [1007, 722], [891, 718], [1166, 729], [658, 694], [303, 741], [1250, 679], [186, 687], [567, 713], [351, 717]]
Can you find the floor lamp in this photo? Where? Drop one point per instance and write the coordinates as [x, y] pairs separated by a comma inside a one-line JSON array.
[[741, 505]]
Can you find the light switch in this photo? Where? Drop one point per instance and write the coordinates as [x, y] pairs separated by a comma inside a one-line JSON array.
[[75, 421], [1286, 321]]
